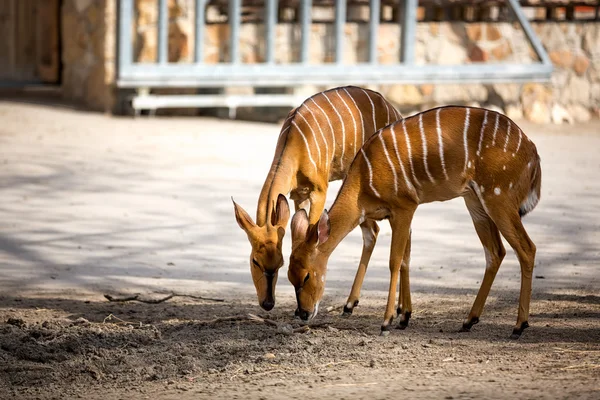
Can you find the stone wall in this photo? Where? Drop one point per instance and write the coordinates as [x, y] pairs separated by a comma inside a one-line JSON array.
[[89, 52], [573, 94]]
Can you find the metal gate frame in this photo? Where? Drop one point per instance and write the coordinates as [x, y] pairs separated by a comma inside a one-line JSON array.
[[269, 74]]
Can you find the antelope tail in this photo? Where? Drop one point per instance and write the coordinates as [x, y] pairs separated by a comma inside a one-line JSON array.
[[535, 191]]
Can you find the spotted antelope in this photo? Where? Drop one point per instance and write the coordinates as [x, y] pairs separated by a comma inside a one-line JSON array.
[[317, 143], [436, 155]]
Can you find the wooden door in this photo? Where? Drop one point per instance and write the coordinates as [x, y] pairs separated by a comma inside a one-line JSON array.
[[30, 52]]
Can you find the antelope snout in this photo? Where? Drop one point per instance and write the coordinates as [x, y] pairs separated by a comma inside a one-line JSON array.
[[267, 304], [304, 315]]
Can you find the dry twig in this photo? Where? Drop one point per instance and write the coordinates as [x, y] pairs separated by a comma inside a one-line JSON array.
[[136, 297]]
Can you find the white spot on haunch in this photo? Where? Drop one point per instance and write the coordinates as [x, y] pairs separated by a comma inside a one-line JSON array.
[[497, 191], [513, 154], [504, 167], [510, 186], [469, 164], [322, 278]]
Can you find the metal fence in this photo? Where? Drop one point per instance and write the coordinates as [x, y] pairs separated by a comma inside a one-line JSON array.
[[198, 74]]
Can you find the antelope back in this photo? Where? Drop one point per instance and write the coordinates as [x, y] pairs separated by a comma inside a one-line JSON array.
[[439, 154]]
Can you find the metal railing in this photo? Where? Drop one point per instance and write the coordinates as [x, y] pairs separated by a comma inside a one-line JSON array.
[[199, 74]]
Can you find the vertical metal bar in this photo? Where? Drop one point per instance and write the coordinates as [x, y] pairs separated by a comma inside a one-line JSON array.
[[533, 39], [409, 28], [270, 22], [234, 29], [306, 19], [163, 31], [374, 29], [340, 23], [124, 39], [199, 31]]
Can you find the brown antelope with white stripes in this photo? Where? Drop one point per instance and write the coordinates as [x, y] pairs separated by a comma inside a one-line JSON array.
[[436, 155], [317, 143]]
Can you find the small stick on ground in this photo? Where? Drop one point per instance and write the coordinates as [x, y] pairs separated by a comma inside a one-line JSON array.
[[136, 297], [286, 328], [120, 321], [334, 308]]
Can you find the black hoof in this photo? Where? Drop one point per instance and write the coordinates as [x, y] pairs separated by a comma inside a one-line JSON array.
[[518, 331], [403, 322], [469, 324], [387, 328], [398, 311], [348, 310]]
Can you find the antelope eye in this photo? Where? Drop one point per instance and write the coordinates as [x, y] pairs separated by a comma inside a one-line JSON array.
[[255, 263], [306, 277]]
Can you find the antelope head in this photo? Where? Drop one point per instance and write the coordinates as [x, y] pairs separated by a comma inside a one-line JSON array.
[[266, 257], [308, 265]]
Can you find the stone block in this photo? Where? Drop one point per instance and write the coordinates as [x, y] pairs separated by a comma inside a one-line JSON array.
[[502, 51], [477, 54], [581, 64], [591, 40], [404, 95], [493, 33], [474, 32], [427, 90], [514, 111], [560, 115], [538, 112], [579, 112], [577, 91], [561, 58]]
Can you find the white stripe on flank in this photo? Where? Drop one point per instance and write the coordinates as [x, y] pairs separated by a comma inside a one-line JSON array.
[[343, 130], [408, 184], [387, 155], [353, 119], [372, 108], [370, 173], [481, 133], [306, 143], [330, 127], [495, 129], [408, 147], [362, 121], [327, 158], [424, 148], [519, 144], [507, 135], [440, 141], [465, 133], [314, 136]]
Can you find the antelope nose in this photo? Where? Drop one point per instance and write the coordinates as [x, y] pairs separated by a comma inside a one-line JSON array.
[[268, 305], [303, 315]]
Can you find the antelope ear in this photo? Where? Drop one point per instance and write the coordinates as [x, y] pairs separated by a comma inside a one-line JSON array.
[[299, 226], [323, 228], [243, 219], [281, 212]]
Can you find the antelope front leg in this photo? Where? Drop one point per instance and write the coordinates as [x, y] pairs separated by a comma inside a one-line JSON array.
[[400, 234], [317, 204], [404, 309], [370, 230]]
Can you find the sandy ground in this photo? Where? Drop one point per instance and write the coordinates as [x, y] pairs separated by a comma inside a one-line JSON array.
[[91, 205]]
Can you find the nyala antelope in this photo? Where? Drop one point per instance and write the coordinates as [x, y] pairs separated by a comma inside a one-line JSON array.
[[436, 155], [317, 144]]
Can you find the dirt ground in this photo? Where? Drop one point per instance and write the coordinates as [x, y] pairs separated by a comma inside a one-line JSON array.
[[93, 205]]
